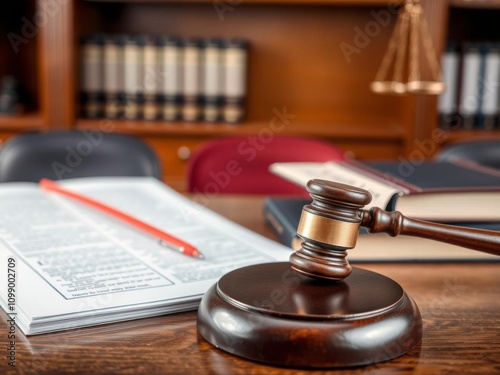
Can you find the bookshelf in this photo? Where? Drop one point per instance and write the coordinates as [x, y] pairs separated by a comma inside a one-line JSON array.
[[296, 65]]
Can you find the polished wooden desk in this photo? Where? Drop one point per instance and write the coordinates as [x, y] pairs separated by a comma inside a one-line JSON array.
[[460, 306]]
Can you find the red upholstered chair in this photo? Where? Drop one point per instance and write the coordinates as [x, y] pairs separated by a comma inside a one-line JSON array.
[[239, 165]]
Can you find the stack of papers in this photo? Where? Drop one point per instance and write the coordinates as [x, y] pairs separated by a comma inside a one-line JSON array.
[[74, 266]]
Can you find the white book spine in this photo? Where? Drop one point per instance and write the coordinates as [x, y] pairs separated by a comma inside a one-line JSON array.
[[171, 77], [152, 80], [92, 68], [152, 77], [171, 67], [133, 56], [212, 80], [469, 98], [92, 76], [113, 64], [491, 83], [192, 81], [114, 82], [235, 72], [447, 103]]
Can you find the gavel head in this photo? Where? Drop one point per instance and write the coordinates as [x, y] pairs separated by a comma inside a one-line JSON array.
[[329, 226]]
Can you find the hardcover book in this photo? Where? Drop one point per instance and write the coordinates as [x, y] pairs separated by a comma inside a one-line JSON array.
[[432, 190]]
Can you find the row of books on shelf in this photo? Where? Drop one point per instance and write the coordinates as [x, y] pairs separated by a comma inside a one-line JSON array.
[[471, 73], [163, 78]]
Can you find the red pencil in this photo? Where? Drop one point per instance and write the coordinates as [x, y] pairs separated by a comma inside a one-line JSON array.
[[166, 239]]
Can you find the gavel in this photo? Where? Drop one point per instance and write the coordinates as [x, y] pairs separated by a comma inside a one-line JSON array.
[[329, 226]]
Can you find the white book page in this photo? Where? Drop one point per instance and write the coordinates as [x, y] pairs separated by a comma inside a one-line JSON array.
[[79, 260], [301, 172]]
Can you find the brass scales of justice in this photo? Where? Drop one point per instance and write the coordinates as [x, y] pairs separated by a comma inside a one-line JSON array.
[[316, 311], [403, 56]]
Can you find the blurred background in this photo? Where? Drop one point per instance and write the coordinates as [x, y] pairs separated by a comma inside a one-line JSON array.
[[177, 74]]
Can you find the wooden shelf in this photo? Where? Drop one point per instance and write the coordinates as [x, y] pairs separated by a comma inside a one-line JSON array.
[[376, 130], [265, 2], [460, 135], [30, 121], [475, 3]]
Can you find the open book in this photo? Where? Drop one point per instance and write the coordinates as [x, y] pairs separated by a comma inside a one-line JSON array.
[[440, 191], [71, 266]]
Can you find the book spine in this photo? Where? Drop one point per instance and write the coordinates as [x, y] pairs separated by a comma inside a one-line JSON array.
[[191, 88], [151, 79], [279, 224], [212, 80], [491, 87], [171, 57], [92, 76], [470, 90], [133, 60], [113, 68], [235, 85], [447, 102]]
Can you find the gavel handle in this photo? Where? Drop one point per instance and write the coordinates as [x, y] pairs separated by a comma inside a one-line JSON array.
[[395, 223]]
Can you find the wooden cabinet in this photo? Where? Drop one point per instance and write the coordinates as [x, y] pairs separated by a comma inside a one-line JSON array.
[[310, 62]]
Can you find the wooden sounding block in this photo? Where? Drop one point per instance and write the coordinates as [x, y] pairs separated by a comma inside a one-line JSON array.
[[269, 313], [318, 311]]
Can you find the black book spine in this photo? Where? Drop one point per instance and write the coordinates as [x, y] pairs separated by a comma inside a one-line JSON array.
[[284, 226]]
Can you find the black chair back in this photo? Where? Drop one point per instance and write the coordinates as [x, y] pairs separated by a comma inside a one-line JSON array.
[[484, 152], [71, 154]]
